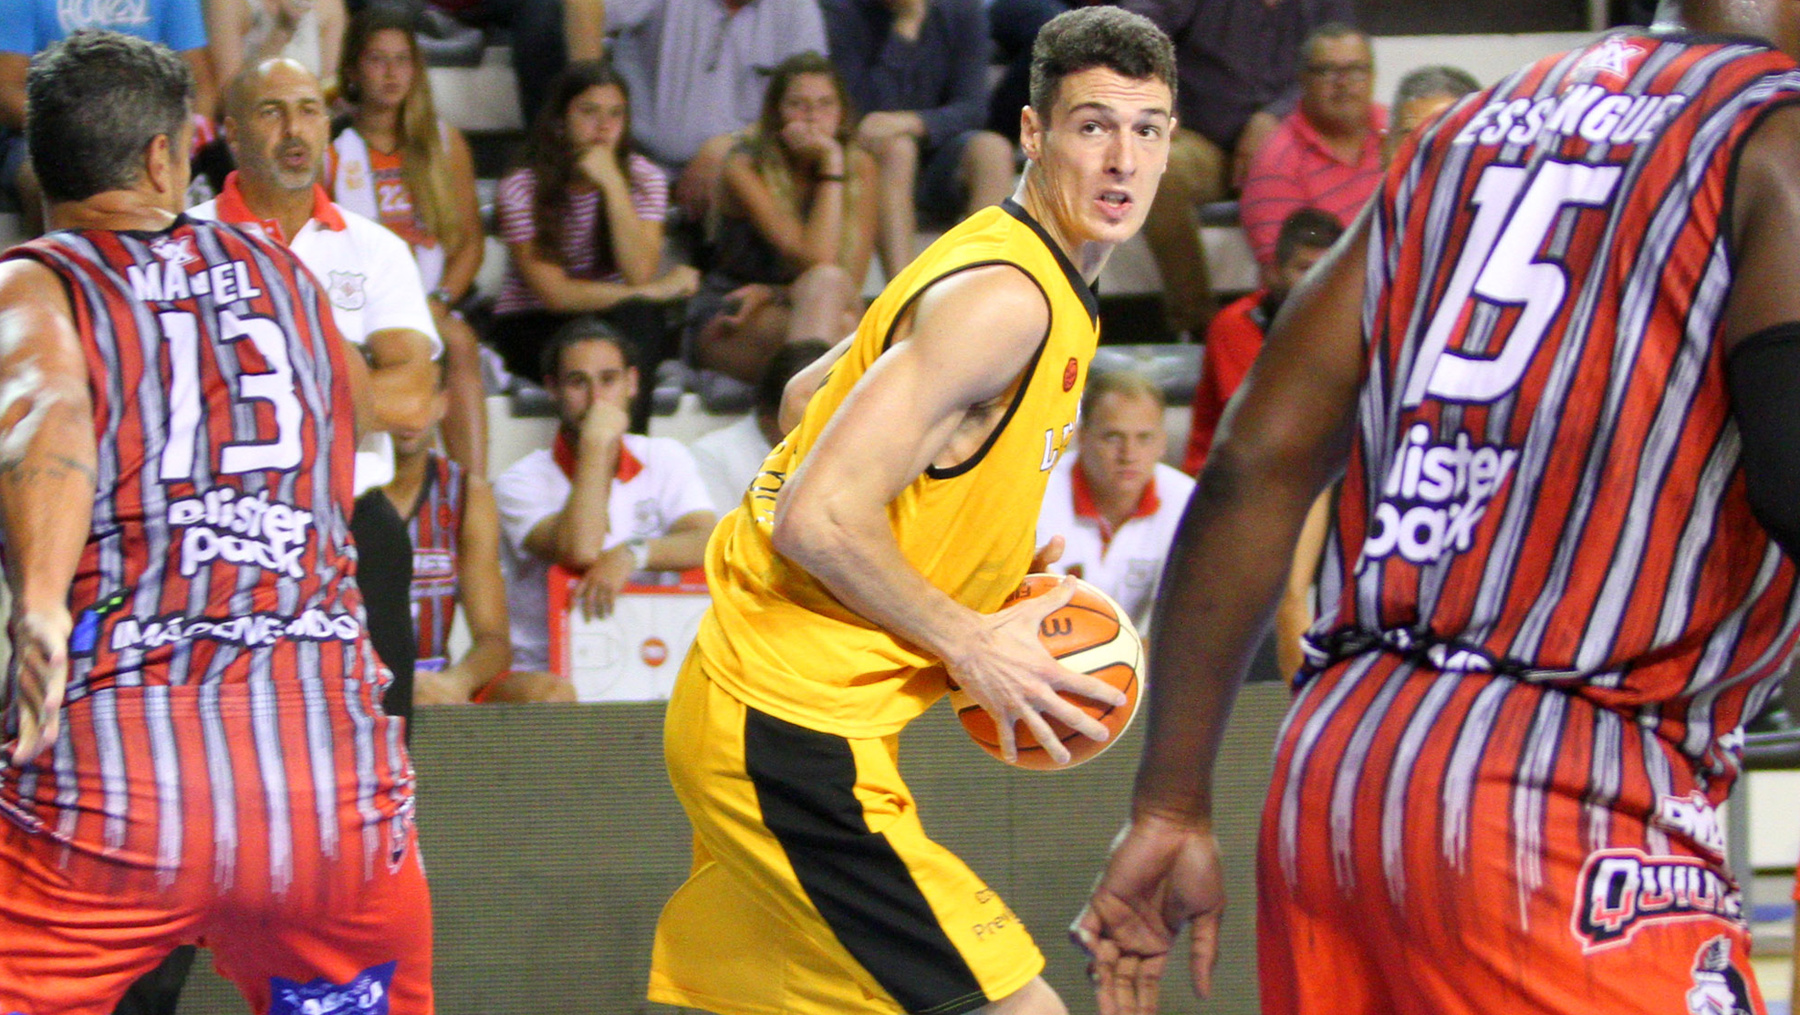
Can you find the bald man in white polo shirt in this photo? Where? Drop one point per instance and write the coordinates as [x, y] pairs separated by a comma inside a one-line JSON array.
[[1114, 503], [278, 127]]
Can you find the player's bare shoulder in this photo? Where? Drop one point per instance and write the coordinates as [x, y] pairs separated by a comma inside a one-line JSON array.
[[979, 329]]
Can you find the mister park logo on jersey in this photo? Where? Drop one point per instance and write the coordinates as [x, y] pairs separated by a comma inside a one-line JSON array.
[[365, 994], [1434, 497]]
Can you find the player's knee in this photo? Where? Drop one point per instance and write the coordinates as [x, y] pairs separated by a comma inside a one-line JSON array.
[[987, 152]]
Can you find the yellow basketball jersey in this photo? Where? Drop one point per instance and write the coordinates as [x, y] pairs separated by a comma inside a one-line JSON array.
[[775, 638]]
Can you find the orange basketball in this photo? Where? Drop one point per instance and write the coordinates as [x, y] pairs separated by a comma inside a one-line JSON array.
[[1090, 635]]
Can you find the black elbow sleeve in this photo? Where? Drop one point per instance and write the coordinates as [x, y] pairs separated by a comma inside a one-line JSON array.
[[1762, 375]]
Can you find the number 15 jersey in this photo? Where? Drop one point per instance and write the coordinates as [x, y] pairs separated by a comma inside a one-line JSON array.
[[1545, 477]]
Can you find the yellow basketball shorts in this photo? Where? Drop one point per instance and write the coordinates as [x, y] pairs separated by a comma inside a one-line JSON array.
[[814, 888]]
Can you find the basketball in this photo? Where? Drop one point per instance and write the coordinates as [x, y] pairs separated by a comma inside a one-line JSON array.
[[1090, 635]]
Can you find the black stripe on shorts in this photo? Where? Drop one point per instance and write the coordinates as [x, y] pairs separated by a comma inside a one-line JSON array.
[[805, 783]]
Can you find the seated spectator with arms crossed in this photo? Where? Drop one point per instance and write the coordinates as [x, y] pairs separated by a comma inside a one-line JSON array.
[[455, 534], [792, 230], [1236, 334], [917, 70], [1113, 503], [582, 218], [1327, 153], [398, 163], [602, 503]]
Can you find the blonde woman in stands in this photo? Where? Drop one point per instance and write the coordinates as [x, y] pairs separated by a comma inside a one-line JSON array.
[[398, 164], [793, 229], [582, 218], [241, 33]]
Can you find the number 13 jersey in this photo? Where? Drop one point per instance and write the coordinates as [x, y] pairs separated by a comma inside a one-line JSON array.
[[1545, 479], [220, 547]]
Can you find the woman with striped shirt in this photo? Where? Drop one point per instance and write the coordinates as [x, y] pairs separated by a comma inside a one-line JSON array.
[[582, 218]]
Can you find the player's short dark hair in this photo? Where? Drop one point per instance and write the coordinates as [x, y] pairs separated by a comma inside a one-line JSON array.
[[1088, 37], [581, 329], [793, 358], [93, 102], [1308, 227], [1436, 79]]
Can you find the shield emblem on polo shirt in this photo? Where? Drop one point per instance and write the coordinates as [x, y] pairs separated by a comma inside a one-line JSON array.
[[346, 289]]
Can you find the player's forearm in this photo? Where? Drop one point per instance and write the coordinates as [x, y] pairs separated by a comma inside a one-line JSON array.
[[46, 503], [1227, 566], [859, 562]]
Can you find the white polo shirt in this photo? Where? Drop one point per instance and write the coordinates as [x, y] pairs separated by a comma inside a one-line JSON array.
[[1126, 564], [367, 273], [729, 458], [656, 484]]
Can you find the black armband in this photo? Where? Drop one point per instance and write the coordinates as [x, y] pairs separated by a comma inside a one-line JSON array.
[[1762, 376]]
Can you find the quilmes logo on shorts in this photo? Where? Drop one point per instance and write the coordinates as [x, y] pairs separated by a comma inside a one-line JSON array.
[[365, 994], [1434, 497], [1620, 890], [1719, 988]]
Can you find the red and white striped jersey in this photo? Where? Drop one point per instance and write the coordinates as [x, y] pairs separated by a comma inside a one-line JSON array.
[[1545, 482], [435, 525], [222, 705]]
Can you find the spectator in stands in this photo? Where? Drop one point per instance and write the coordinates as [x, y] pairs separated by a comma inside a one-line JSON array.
[[27, 26], [1114, 503], [1327, 153], [1421, 96], [239, 32], [583, 221], [275, 123], [1238, 65], [1013, 26], [546, 35], [602, 503], [917, 72], [1236, 335], [699, 67], [401, 165], [455, 538], [731, 456], [793, 229]]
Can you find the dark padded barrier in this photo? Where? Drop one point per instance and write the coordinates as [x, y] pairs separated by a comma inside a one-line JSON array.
[[551, 839]]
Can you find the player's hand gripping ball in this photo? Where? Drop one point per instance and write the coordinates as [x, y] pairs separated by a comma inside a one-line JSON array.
[[1090, 635]]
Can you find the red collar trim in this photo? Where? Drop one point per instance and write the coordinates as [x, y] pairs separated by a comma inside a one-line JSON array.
[[564, 453], [1148, 504], [232, 208]]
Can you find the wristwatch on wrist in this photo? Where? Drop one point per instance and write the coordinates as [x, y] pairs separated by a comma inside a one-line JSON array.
[[442, 295], [639, 549]]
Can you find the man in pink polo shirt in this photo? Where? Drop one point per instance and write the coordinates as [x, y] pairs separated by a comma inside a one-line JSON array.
[[1327, 153]]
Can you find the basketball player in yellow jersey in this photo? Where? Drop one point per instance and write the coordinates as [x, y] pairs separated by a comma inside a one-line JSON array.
[[862, 572]]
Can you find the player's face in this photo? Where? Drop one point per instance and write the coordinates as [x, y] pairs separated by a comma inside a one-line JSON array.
[[812, 99], [385, 70], [1121, 441], [1101, 153], [592, 373], [284, 129], [1337, 85], [597, 117]]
